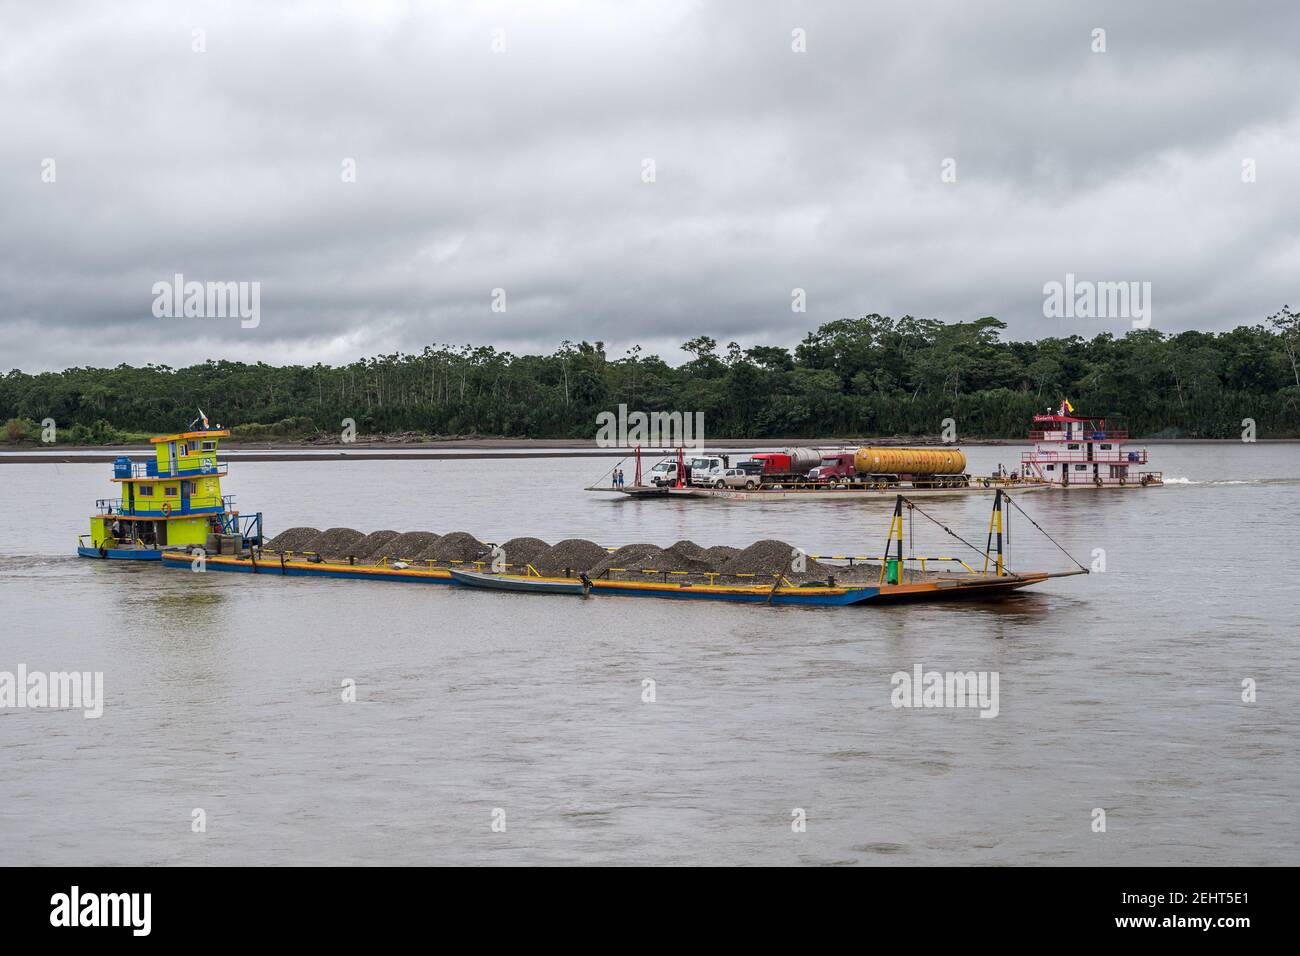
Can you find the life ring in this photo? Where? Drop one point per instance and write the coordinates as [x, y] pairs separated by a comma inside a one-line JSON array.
[[1097, 480], [166, 510]]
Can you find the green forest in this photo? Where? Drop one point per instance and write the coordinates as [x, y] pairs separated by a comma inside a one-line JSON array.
[[862, 377]]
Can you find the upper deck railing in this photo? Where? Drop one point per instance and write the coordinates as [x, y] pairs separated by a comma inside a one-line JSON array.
[[1056, 434], [149, 469], [120, 507]]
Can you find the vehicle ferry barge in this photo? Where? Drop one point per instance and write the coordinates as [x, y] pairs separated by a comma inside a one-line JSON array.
[[174, 500], [1069, 452], [813, 474]]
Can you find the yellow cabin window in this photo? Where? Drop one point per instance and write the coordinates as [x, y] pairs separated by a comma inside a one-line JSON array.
[[170, 491], [146, 490], [209, 445]]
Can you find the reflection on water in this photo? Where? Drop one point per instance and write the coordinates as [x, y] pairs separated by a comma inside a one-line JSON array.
[[1120, 690]]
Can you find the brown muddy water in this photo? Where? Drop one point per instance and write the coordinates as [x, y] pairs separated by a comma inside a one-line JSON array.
[[1121, 690]]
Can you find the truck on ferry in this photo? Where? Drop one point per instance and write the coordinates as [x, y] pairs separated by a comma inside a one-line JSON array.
[[1070, 451]]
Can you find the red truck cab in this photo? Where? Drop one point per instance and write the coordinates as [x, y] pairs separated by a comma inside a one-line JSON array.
[[773, 463], [835, 467]]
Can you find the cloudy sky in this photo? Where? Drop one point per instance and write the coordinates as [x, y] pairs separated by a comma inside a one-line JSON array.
[[504, 146]]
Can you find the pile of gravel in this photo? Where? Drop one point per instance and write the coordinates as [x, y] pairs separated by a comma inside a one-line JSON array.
[[761, 559], [687, 549], [576, 554], [720, 554], [631, 557], [405, 546], [456, 546], [335, 541], [292, 539], [372, 543], [769, 556], [689, 556], [521, 552]]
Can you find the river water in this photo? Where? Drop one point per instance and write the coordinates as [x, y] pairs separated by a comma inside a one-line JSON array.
[[1120, 691]]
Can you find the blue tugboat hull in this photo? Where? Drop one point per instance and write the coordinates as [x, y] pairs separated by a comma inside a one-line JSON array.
[[121, 554]]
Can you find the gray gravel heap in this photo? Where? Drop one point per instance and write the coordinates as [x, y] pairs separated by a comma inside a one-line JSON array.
[[631, 557], [292, 539], [457, 546], [406, 546], [335, 542], [720, 554], [689, 556], [576, 554], [372, 543], [521, 552], [767, 557]]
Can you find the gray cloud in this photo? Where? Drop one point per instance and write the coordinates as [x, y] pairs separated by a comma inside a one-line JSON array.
[[521, 170]]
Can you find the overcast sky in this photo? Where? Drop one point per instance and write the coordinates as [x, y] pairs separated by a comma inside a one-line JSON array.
[[523, 169]]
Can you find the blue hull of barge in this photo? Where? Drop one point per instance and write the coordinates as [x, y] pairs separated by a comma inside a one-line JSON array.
[[120, 554], [854, 596], [273, 568]]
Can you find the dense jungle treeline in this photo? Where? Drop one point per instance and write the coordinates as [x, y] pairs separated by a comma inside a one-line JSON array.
[[853, 377]]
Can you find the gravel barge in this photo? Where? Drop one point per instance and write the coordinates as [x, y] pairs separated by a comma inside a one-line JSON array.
[[767, 572]]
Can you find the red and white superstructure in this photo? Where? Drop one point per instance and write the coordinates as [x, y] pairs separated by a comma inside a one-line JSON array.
[[1076, 451]]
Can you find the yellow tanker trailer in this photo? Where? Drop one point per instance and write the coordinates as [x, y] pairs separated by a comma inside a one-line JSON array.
[[932, 467]]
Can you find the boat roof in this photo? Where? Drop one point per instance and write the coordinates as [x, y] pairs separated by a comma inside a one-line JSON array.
[[210, 433]]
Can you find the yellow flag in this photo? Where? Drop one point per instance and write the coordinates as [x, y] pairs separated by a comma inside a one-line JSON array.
[[1068, 407]]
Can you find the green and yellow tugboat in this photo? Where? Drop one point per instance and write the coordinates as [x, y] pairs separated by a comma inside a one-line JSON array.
[[172, 501]]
